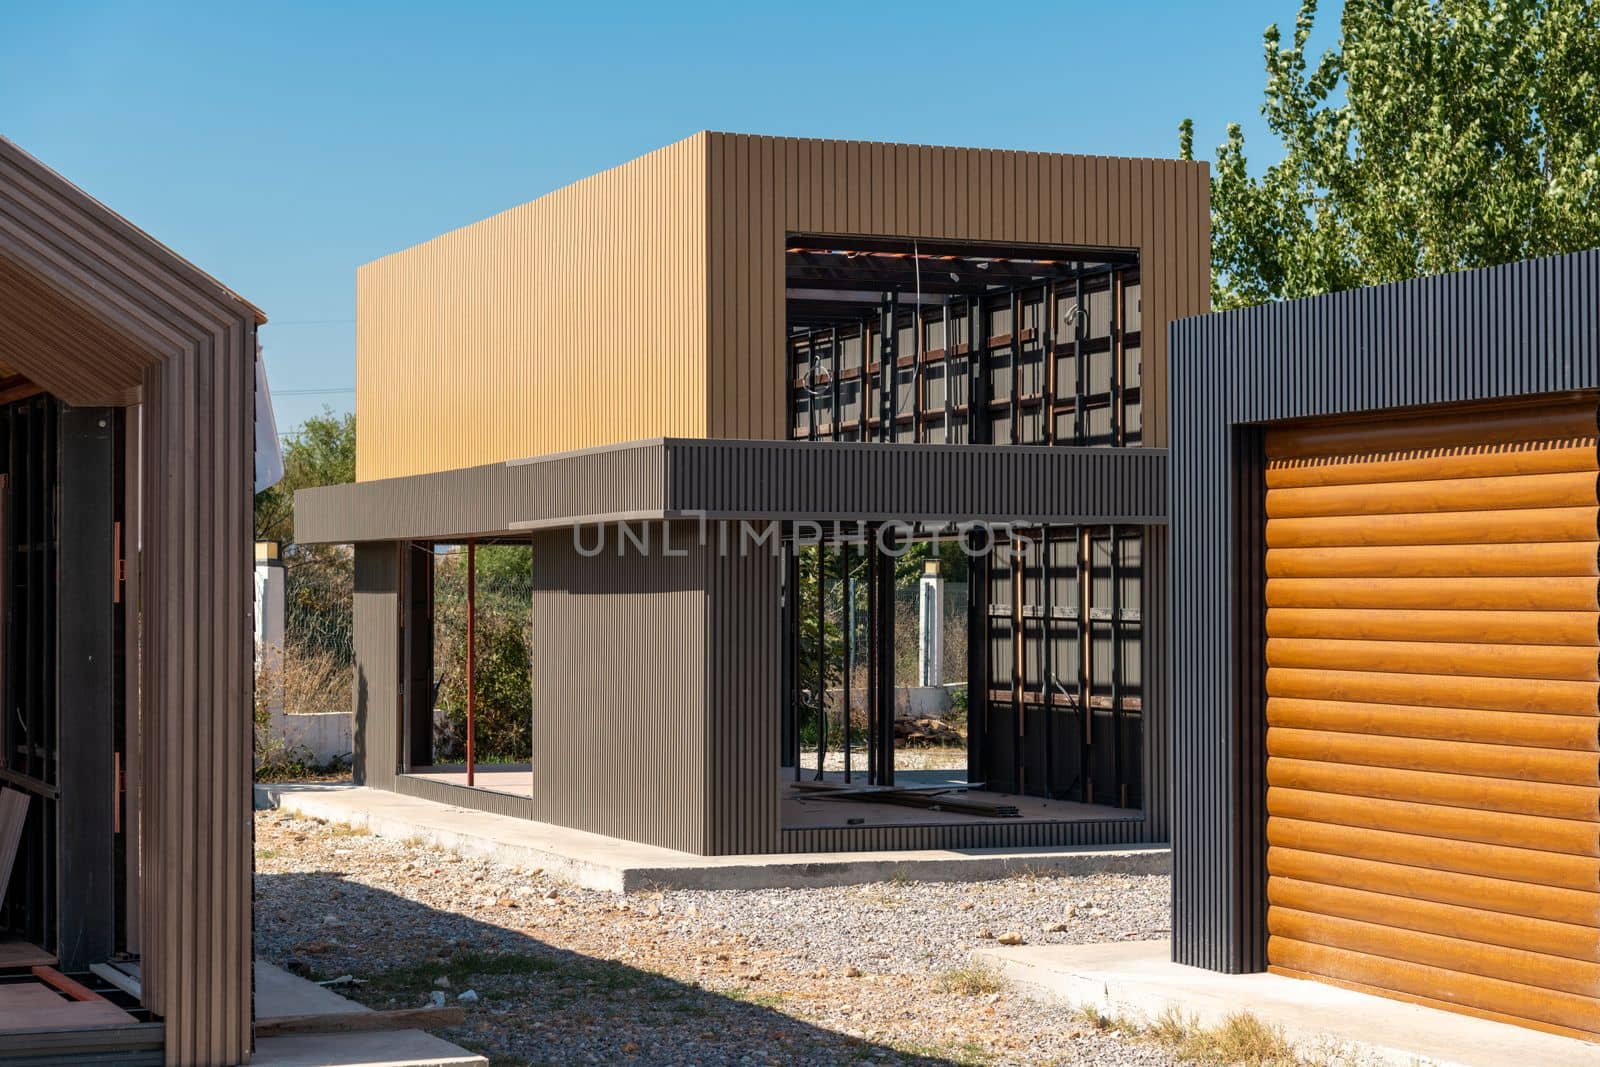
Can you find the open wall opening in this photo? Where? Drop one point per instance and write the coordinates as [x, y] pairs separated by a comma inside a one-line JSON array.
[[954, 675], [467, 661], [910, 341], [922, 341]]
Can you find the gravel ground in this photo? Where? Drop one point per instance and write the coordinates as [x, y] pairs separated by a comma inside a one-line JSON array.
[[860, 974]]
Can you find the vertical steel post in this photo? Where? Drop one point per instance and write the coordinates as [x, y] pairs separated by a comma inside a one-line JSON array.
[[822, 664], [949, 346], [874, 770], [850, 653], [472, 658], [884, 624], [835, 416]]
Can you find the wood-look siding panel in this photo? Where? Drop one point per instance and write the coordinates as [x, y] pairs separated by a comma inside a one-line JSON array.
[[1161, 208], [575, 320], [109, 316], [1520, 805]]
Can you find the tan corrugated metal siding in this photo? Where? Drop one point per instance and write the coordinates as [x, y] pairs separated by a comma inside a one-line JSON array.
[[648, 300], [162, 326], [764, 188], [574, 320]]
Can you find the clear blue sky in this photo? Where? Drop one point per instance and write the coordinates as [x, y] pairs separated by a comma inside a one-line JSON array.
[[280, 145]]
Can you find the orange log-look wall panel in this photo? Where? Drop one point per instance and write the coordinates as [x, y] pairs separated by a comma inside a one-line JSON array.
[[1433, 710]]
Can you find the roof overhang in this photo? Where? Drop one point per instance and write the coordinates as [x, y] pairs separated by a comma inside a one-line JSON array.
[[680, 478]]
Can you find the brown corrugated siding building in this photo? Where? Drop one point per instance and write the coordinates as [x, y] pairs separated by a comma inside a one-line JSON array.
[[127, 444], [784, 330]]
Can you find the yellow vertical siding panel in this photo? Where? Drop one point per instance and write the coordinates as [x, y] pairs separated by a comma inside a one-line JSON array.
[[572, 321]]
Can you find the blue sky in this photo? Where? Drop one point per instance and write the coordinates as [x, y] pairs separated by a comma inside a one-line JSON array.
[[280, 145]]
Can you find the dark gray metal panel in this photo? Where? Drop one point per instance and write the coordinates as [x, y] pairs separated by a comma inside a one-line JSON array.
[[86, 688], [1520, 330], [619, 691], [744, 700], [376, 644], [995, 833], [498, 498], [747, 479], [876, 481], [461, 796], [416, 652]]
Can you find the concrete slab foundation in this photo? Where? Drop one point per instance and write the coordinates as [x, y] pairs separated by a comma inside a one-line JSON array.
[[612, 865], [1139, 979], [280, 994]]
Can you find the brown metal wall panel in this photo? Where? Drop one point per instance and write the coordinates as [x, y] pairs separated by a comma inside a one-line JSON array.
[[375, 638], [1159, 207], [109, 316], [575, 320], [620, 742]]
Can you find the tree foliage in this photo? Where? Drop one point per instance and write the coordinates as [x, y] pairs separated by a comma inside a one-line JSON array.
[[1437, 135], [323, 452]]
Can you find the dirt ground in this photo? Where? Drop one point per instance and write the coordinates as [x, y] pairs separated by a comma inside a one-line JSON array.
[[557, 975]]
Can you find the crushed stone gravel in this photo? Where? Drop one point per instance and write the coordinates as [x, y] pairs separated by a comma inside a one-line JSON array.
[[869, 974]]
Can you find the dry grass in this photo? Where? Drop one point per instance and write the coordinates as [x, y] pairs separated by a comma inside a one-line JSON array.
[[1241, 1039], [975, 979]]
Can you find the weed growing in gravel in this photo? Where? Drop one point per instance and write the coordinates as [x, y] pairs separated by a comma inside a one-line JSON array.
[[1241, 1038], [975, 979], [1091, 1015]]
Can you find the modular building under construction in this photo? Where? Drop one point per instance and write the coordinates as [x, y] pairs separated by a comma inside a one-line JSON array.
[[817, 371], [737, 396]]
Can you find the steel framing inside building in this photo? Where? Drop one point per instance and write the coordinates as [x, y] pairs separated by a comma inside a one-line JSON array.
[[1384, 667], [752, 287]]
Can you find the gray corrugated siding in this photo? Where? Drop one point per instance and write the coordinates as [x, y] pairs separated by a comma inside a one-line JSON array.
[[878, 481], [1520, 330], [743, 682], [619, 693], [376, 643], [747, 479]]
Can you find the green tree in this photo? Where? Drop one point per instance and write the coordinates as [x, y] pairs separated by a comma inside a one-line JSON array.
[[1437, 135], [322, 452]]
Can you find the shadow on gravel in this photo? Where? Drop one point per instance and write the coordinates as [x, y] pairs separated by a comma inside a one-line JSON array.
[[536, 1004]]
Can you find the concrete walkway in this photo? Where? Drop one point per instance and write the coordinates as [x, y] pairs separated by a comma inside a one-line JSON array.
[[1138, 980], [609, 864]]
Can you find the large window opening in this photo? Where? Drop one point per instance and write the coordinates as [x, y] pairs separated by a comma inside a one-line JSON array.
[[962, 676], [921, 341], [469, 666]]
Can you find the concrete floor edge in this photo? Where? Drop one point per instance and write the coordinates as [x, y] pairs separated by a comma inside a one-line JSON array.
[[1138, 980], [611, 865]]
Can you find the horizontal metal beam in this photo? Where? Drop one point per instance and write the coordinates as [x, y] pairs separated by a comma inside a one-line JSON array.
[[677, 478]]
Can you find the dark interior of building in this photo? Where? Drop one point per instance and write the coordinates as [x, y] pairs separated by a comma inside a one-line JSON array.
[[918, 342]]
